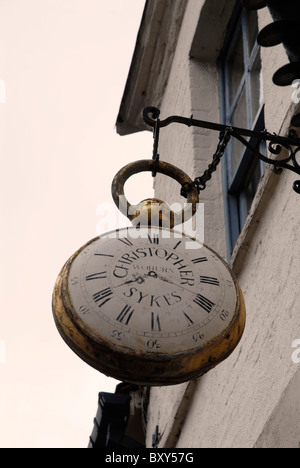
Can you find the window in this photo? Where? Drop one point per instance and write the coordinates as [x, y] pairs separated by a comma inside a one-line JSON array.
[[242, 106]]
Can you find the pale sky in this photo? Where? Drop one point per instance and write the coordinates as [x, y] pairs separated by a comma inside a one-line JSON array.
[[63, 69]]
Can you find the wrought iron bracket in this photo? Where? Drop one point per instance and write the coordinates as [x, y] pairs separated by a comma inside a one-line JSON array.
[[156, 437], [276, 144]]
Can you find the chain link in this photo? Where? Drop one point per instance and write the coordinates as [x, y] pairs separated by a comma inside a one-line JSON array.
[[200, 182]]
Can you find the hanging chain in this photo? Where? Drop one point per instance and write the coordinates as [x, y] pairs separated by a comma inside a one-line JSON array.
[[200, 182], [155, 155]]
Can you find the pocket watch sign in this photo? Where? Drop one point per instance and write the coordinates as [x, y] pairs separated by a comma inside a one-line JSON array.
[[138, 305]]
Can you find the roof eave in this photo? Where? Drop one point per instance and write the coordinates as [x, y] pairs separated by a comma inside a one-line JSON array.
[[151, 62]]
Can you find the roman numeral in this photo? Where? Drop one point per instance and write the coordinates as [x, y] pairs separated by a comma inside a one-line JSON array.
[[103, 255], [190, 321], [154, 239], [102, 297], [125, 315], [155, 322], [96, 276], [204, 303], [209, 280], [125, 241], [199, 260], [177, 245]]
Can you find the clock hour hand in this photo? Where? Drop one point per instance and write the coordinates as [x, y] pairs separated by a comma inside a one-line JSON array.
[[139, 280]]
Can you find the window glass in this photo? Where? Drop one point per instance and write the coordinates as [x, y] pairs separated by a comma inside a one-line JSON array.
[[239, 119], [242, 106], [251, 29], [235, 66], [256, 86]]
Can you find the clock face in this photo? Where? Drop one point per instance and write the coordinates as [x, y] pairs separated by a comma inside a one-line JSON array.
[[153, 291]]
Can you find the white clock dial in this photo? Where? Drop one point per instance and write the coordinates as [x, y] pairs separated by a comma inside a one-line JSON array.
[[152, 291]]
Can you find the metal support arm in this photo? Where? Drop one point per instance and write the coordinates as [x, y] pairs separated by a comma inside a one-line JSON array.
[[276, 144]]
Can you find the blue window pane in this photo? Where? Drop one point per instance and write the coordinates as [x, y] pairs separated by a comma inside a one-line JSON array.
[[242, 100]]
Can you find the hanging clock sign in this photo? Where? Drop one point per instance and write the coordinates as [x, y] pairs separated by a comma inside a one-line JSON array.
[[147, 304]]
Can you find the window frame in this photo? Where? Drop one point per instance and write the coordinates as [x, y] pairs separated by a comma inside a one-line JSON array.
[[234, 180]]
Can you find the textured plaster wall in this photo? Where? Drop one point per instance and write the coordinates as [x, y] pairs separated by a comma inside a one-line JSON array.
[[177, 147], [242, 401], [235, 401], [192, 90]]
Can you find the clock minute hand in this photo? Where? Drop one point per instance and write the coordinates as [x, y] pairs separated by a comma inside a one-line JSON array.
[[153, 274]]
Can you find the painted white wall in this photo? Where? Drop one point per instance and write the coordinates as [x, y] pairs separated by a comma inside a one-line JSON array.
[[241, 402]]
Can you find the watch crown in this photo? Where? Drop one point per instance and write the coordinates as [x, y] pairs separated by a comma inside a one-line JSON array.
[[153, 212]]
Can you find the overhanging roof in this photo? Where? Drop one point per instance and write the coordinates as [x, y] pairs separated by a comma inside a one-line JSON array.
[[151, 62]]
